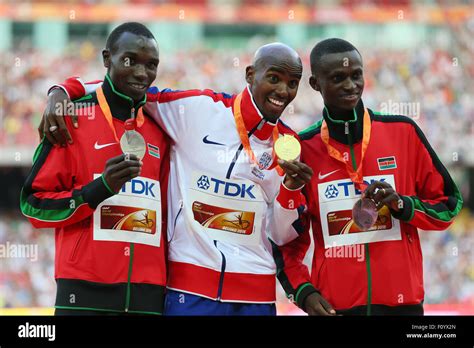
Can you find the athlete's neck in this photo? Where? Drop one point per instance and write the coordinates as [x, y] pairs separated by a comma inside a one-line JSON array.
[[340, 114]]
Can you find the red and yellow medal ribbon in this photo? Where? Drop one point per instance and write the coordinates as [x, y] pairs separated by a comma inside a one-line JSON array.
[[355, 175], [244, 138], [104, 106]]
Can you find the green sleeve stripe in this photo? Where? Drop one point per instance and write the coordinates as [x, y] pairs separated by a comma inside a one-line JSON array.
[[299, 290], [106, 185], [445, 215], [38, 149], [54, 215], [311, 128]]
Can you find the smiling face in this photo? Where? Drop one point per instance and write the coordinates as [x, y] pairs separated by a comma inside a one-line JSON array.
[[274, 84], [132, 64], [340, 80]]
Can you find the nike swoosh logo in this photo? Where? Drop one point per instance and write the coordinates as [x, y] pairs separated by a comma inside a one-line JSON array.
[[206, 141], [321, 177], [98, 147]]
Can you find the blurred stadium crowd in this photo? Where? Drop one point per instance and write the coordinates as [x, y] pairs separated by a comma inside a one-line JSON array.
[[438, 80]]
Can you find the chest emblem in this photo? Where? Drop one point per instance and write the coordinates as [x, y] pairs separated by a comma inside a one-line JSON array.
[[153, 150], [386, 163]]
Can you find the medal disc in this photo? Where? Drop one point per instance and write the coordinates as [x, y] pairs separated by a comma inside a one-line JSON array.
[[132, 142], [364, 213], [287, 148]]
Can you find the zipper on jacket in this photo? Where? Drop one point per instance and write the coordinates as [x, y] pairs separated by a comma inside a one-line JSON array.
[[369, 279], [130, 265], [367, 254], [229, 172]]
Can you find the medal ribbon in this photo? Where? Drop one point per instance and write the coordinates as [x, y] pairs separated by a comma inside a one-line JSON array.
[[244, 138], [104, 106], [355, 175]]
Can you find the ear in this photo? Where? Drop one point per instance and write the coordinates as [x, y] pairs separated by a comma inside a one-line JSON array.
[[250, 74], [106, 58], [314, 83]]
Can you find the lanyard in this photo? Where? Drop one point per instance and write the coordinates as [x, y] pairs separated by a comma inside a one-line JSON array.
[[244, 138], [355, 175], [104, 106]]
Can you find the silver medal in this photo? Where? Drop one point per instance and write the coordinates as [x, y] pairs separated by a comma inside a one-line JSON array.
[[133, 142]]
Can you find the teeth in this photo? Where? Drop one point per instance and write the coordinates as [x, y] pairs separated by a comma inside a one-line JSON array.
[[276, 102], [137, 86]]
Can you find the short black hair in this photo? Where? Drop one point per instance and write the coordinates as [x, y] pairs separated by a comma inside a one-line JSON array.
[[128, 27], [328, 46]]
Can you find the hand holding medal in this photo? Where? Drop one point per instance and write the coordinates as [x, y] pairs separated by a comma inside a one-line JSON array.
[[364, 213], [377, 195], [288, 149]]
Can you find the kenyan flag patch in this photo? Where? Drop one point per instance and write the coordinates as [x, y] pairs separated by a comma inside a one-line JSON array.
[[386, 163], [153, 150]]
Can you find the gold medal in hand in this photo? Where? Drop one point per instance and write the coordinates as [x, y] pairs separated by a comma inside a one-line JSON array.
[[287, 148]]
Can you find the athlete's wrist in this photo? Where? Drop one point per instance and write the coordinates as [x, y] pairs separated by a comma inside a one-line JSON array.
[[406, 209], [96, 192]]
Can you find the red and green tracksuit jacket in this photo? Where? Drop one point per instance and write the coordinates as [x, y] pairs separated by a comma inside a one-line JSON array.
[[110, 248], [374, 272]]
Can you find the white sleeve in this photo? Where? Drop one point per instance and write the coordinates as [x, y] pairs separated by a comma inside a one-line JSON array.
[[287, 209]]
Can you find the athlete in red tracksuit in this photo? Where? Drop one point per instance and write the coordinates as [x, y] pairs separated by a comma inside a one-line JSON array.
[[377, 271], [110, 239]]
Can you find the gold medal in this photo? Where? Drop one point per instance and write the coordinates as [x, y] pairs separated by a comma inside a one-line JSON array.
[[131, 141], [287, 148]]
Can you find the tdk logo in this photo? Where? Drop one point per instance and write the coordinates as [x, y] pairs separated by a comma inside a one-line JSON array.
[[229, 189], [139, 187], [345, 189], [331, 191], [203, 182]]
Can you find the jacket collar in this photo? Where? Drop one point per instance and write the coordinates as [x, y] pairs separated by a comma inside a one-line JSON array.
[[120, 105], [253, 117], [337, 127]]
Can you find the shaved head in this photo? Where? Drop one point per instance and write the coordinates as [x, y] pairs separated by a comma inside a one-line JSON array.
[[278, 54], [273, 78]]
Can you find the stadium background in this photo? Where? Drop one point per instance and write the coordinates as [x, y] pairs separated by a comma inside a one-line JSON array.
[[419, 53]]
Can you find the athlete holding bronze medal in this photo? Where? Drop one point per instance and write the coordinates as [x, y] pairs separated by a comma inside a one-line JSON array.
[[377, 180]]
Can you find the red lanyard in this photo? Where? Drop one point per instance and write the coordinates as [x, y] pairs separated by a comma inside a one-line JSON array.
[[355, 175], [244, 138], [104, 106]]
